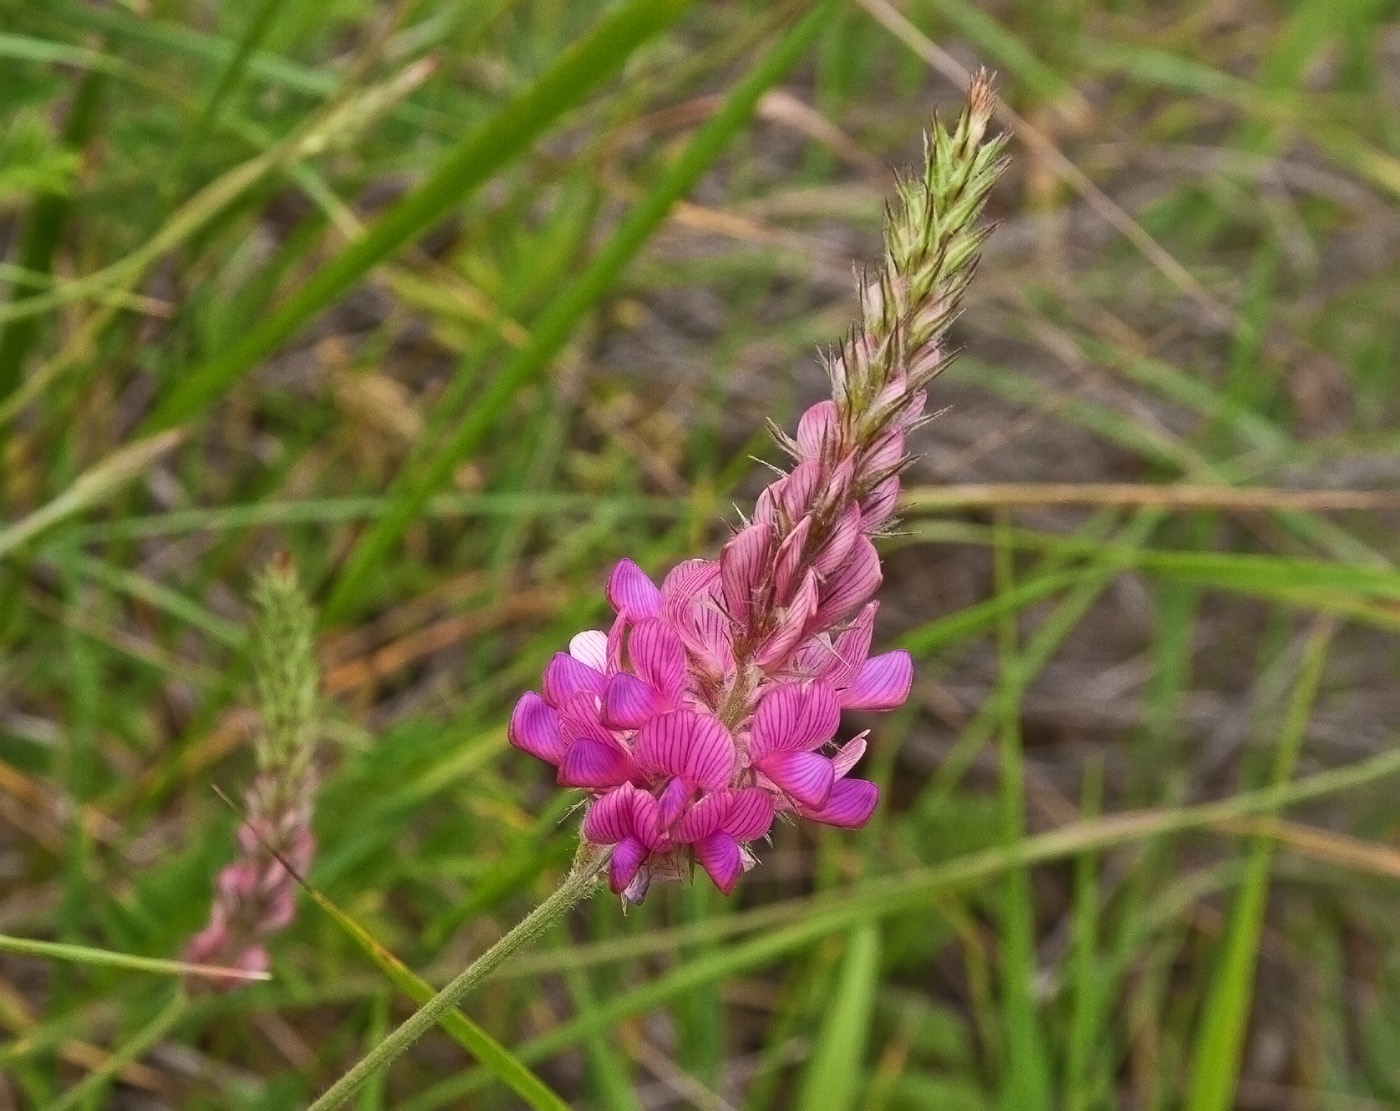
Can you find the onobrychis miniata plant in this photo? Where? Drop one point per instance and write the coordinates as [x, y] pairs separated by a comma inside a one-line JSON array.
[[712, 705]]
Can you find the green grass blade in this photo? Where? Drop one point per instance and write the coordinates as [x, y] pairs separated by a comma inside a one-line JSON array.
[[581, 69], [495, 1057], [833, 1078], [41, 234], [106, 958], [1219, 1044], [562, 318]]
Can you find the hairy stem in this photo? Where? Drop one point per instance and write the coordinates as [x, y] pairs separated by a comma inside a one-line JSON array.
[[580, 884]]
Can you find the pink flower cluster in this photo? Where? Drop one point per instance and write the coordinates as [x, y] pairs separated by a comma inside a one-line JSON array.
[[712, 705]]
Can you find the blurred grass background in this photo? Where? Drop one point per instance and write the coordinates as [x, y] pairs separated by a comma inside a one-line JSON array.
[[459, 301]]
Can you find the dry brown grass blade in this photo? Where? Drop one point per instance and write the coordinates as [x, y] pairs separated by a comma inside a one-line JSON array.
[[1321, 844]]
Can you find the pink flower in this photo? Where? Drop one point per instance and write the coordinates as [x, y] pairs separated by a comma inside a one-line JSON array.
[[713, 704]]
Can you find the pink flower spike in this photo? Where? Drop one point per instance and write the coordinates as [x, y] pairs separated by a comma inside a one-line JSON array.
[[630, 591], [794, 717], [882, 683], [851, 586], [687, 744], [851, 803], [806, 776], [658, 656], [744, 564], [628, 702], [534, 728], [565, 676], [720, 856]]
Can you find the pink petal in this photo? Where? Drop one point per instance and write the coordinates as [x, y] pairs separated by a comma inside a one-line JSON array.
[[689, 580], [745, 565], [591, 647], [646, 820], [673, 801], [658, 656], [628, 702], [630, 591], [851, 803], [578, 717], [850, 586], [886, 452], [534, 728], [794, 717], [839, 541], [850, 755], [818, 430], [626, 861], [807, 777], [852, 646], [877, 506], [609, 819], [750, 814], [796, 621], [789, 562], [882, 683], [702, 819], [719, 855], [592, 762], [565, 676], [797, 494], [688, 744]]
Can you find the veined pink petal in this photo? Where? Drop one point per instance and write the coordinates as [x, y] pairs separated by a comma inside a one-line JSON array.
[[838, 484], [687, 744], [882, 683], [796, 621], [886, 452], [877, 506], [687, 581], [794, 717], [719, 855], [628, 702], [659, 657], [839, 541], [565, 676], [591, 647], [745, 563], [806, 776], [646, 820], [851, 586], [750, 814], [609, 819], [788, 563], [702, 819], [850, 755], [578, 717], [851, 803], [534, 728], [852, 646], [818, 430], [595, 763], [626, 862], [629, 590], [673, 800], [797, 494]]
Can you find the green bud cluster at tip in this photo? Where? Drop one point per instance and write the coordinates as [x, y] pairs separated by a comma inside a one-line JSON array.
[[286, 673]]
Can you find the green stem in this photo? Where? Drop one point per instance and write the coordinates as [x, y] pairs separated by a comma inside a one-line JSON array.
[[578, 886]]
